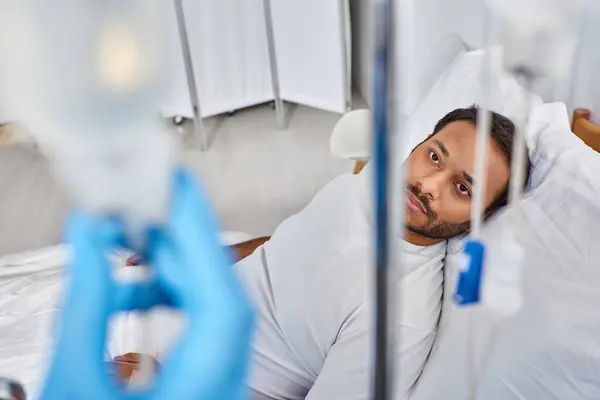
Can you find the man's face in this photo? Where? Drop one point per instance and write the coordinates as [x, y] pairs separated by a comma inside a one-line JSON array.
[[440, 176]]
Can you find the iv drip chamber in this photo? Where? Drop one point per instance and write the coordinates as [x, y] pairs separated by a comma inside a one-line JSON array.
[[87, 78]]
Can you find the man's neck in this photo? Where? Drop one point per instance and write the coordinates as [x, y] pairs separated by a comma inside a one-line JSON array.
[[419, 240]]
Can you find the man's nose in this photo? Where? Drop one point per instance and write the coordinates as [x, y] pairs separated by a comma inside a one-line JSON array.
[[431, 185]]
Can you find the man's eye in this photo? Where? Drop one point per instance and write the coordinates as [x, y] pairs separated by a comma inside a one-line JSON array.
[[463, 190], [434, 157]]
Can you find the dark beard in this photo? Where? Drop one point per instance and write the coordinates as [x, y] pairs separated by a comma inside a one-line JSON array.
[[442, 230], [435, 229]]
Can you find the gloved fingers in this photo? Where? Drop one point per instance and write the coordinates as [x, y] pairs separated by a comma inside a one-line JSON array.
[[90, 283], [84, 319], [140, 296], [171, 275], [194, 244], [215, 348], [191, 211], [220, 319]]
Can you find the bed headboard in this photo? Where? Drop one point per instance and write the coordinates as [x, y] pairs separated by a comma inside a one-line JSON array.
[[585, 129]]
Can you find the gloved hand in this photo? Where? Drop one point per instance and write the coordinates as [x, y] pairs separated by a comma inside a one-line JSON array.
[[192, 274]]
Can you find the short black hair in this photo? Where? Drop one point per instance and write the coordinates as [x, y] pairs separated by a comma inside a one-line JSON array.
[[502, 134]]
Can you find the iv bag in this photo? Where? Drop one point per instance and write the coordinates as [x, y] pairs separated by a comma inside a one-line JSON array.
[[539, 38], [87, 79]]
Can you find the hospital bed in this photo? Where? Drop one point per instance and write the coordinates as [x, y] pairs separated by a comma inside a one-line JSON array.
[[586, 130]]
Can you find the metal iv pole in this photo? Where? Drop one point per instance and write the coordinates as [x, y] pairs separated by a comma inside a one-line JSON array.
[[384, 299], [393, 88]]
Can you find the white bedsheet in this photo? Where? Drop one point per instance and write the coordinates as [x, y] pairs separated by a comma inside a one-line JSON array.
[[31, 284]]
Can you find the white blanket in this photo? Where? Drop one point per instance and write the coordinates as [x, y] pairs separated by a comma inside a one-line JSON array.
[[31, 285], [551, 348]]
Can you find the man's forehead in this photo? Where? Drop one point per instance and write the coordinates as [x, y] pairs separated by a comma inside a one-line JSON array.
[[463, 132], [457, 141]]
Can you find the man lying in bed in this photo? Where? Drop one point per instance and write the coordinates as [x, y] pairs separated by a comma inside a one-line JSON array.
[[311, 282]]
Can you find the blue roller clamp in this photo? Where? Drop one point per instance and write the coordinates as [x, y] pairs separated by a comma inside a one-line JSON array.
[[469, 280]]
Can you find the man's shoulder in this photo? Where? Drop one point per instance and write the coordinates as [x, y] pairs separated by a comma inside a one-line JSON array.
[[335, 190]]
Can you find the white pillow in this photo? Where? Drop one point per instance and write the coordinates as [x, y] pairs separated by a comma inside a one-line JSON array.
[[551, 348], [351, 136], [458, 87]]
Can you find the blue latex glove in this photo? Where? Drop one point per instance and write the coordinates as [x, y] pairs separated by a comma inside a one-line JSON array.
[[193, 274]]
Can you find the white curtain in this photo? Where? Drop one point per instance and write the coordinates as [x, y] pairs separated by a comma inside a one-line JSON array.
[[312, 42], [228, 42], [230, 57]]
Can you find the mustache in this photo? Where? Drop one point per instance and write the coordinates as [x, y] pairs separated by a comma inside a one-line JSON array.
[[422, 198]]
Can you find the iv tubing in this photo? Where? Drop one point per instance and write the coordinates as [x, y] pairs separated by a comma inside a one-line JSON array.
[[483, 135], [519, 150], [514, 190], [484, 119]]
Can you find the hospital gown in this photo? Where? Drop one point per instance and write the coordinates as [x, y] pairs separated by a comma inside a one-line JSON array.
[[312, 288]]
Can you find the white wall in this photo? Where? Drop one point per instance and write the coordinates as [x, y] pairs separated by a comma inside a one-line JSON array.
[[434, 19], [464, 17]]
